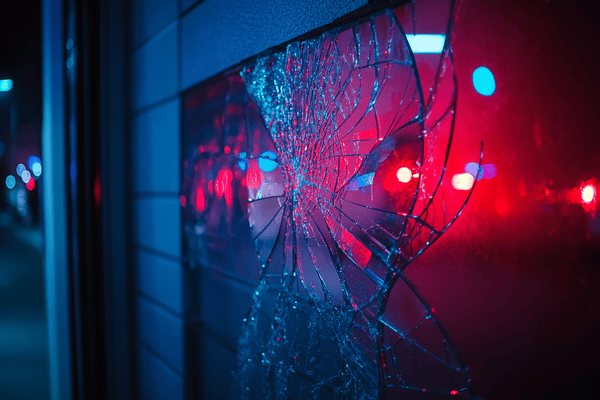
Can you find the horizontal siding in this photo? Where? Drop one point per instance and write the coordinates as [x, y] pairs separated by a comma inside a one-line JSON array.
[[215, 366], [219, 303], [156, 136], [161, 331], [155, 380], [149, 17], [160, 279], [157, 224], [154, 69]]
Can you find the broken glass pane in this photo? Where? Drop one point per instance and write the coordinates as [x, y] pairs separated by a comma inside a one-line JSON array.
[[330, 155]]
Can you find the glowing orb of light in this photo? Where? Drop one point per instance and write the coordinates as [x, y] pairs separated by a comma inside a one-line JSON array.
[[6, 85], [588, 194], [483, 81], [26, 176], [30, 184], [463, 181], [242, 164], [36, 168], [20, 169], [404, 174], [10, 181], [267, 161]]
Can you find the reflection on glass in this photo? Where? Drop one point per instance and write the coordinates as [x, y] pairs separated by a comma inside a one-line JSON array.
[[329, 158]]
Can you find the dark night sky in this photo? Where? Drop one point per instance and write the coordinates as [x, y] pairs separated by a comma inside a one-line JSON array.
[[21, 56]]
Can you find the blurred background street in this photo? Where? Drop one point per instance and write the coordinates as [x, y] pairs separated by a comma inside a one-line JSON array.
[[23, 334]]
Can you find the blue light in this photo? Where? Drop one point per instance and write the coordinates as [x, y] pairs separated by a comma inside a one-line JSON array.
[[365, 180], [5, 85], [36, 168], [486, 171], [20, 169], [266, 161], [32, 160], [472, 169], [361, 181], [426, 43], [483, 81], [10, 181], [26, 176], [242, 163]]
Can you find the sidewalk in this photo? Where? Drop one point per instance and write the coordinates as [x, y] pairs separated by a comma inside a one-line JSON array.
[[23, 328]]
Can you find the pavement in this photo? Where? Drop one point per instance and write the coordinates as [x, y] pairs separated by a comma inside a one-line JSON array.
[[24, 369]]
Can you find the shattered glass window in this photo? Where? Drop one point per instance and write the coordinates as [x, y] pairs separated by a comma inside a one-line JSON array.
[[324, 163]]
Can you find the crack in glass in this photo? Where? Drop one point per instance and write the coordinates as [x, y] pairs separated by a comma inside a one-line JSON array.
[[337, 157]]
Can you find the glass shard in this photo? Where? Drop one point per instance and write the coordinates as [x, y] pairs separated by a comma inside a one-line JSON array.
[[332, 154]]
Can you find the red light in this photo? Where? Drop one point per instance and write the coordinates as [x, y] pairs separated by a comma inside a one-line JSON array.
[[200, 202], [404, 174], [30, 184], [463, 181], [97, 190], [182, 200], [253, 179], [454, 392], [588, 194]]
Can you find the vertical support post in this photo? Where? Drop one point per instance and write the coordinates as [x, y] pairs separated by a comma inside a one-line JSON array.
[[55, 202]]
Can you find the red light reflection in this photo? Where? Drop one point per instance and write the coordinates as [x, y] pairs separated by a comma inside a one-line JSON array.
[[200, 201], [253, 179]]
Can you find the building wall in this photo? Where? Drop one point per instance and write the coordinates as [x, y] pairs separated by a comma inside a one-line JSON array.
[[174, 46]]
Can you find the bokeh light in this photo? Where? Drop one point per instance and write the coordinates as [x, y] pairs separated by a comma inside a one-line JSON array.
[[20, 169], [404, 174], [10, 181], [423, 43], [30, 184], [483, 81], [463, 181], [588, 194], [6, 85], [36, 168], [242, 163], [266, 161], [26, 176]]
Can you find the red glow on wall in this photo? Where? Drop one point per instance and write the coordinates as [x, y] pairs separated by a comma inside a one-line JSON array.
[[502, 206], [200, 201], [182, 200]]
